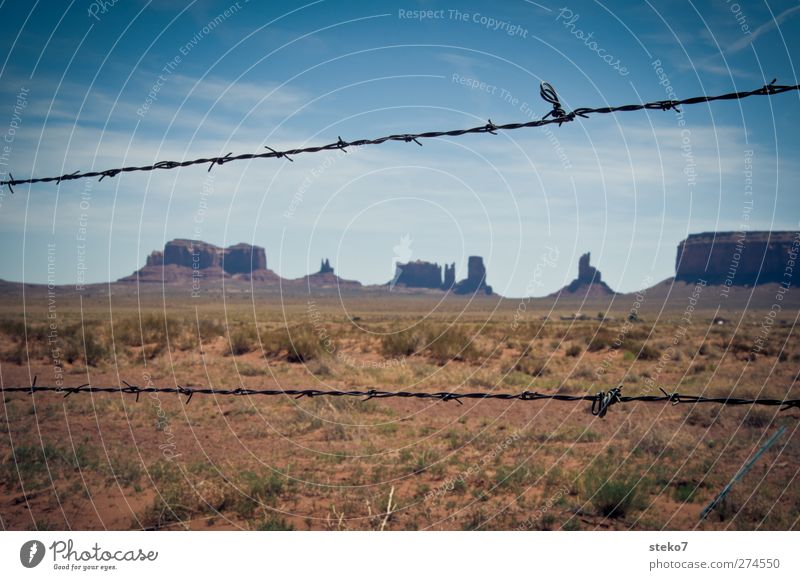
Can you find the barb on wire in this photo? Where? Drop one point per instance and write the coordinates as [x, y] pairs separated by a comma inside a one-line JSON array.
[[558, 116], [601, 401]]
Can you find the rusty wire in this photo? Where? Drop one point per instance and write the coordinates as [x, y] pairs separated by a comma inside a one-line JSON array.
[[557, 116], [601, 401]]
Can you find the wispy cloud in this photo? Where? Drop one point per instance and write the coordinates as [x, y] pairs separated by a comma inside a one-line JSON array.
[[749, 39]]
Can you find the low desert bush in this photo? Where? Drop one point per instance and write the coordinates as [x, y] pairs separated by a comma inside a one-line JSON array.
[[451, 344], [613, 493], [297, 344], [403, 343], [243, 339], [600, 341], [304, 345], [531, 366], [643, 351]]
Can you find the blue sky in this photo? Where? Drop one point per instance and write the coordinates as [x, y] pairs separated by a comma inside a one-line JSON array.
[[88, 86]]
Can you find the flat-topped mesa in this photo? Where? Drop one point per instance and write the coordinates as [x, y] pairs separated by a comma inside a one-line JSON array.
[[236, 259], [736, 258], [419, 274], [243, 259], [589, 281], [475, 280], [183, 259]]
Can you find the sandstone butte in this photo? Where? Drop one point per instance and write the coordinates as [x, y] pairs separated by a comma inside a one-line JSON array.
[[718, 258]]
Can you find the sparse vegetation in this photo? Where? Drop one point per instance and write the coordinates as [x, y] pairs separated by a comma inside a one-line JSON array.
[[614, 491], [402, 343], [485, 464], [451, 343]]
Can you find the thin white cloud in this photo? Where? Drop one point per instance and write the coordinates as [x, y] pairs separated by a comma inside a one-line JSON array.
[[747, 40]]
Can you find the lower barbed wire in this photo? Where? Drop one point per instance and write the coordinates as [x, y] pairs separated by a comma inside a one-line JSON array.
[[601, 401]]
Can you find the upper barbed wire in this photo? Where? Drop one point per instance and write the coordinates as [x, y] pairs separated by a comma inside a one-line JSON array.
[[557, 116]]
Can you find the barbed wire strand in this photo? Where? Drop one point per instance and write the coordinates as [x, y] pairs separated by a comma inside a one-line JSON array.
[[601, 401], [557, 116]]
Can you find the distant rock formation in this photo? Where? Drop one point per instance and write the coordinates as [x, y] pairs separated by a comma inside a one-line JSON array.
[[195, 262], [449, 276], [238, 259], [156, 258], [243, 259], [736, 258], [586, 272], [589, 281], [183, 259], [419, 274], [475, 280], [325, 278]]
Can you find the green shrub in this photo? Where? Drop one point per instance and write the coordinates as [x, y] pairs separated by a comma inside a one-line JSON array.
[[14, 329], [403, 343], [600, 341], [303, 345], [274, 524], [574, 351], [298, 344], [208, 329], [530, 366], [512, 477], [642, 351], [175, 500], [148, 329], [83, 343], [613, 494], [684, 491], [258, 490], [34, 465], [452, 344], [243, 339]]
